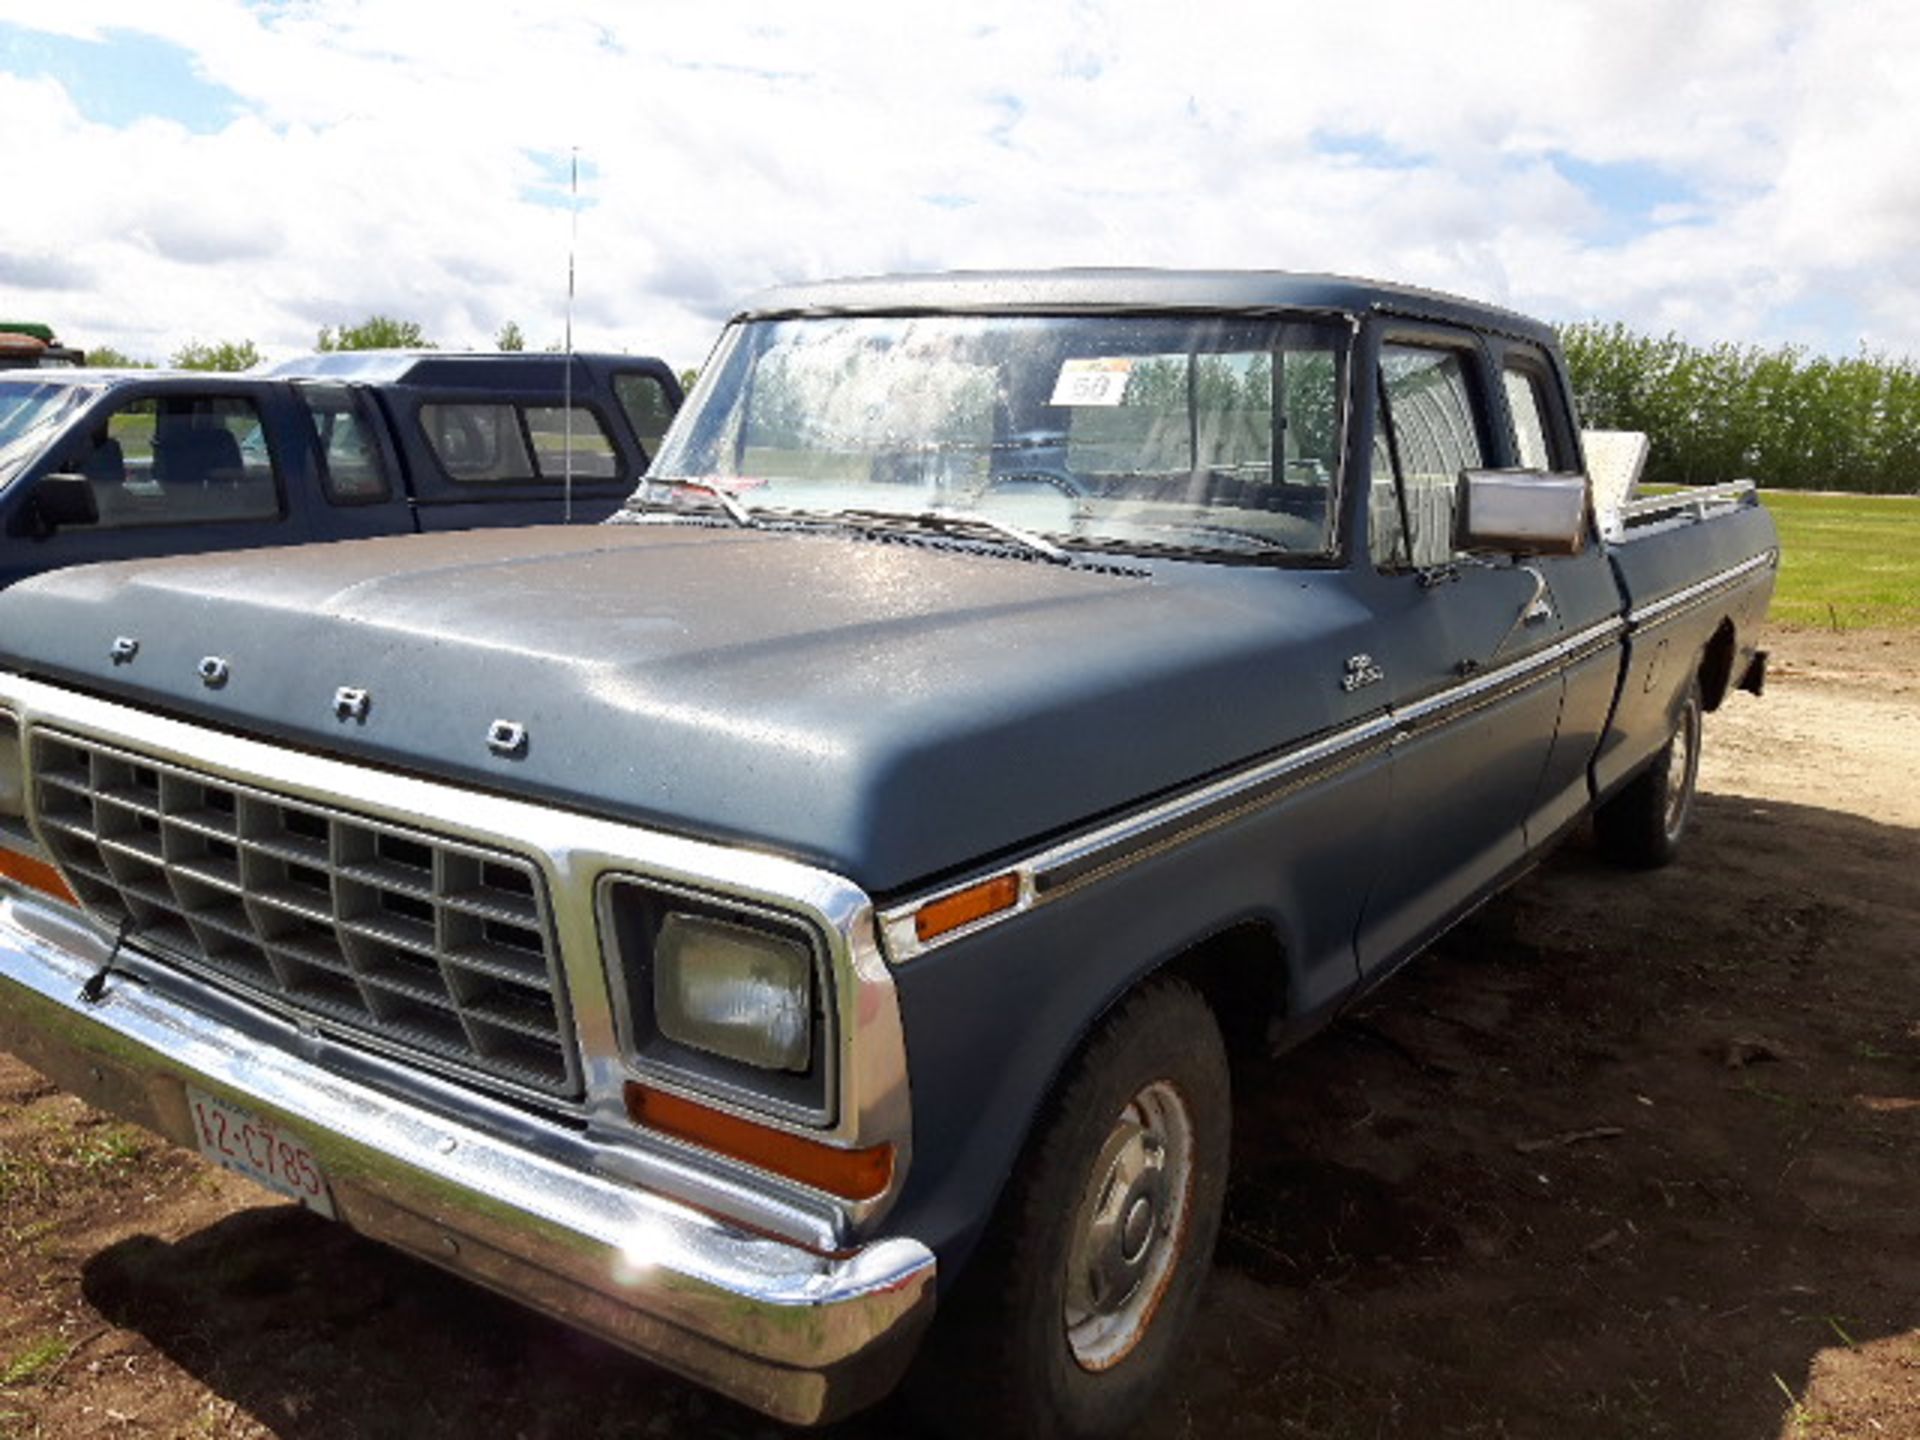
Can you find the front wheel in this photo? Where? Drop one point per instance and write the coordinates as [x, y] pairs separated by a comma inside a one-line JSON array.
[[1642, 826], [1067, 1321]]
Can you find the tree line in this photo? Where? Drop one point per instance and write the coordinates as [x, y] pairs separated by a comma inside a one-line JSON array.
[[376, 332], [1784, 417]]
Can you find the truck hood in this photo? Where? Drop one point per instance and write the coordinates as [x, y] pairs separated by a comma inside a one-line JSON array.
[[895, 711]]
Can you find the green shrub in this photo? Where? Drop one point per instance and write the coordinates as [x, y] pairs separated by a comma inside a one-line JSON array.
[[1784, 417]]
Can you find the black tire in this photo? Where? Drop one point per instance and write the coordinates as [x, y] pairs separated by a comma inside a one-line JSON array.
[[1642, 826], [1006, 1356]]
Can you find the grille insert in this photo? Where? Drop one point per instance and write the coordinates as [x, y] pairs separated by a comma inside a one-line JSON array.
[[437, 947]]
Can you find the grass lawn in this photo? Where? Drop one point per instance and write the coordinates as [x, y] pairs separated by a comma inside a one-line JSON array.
[[1849, 562]]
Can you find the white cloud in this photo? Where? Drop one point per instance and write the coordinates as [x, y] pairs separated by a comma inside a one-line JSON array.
[[385, 160]]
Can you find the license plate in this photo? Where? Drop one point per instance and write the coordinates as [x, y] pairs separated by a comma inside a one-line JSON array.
[[240, 1141]]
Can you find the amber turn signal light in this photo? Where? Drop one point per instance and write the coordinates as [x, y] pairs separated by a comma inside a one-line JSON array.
[[35, 875], [963, 907], [850, 1174]]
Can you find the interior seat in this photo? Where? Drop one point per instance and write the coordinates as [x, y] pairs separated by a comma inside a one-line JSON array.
[[106, 464], [187, 455]]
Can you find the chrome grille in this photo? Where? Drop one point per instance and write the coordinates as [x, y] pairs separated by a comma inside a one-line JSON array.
[[437, 947]]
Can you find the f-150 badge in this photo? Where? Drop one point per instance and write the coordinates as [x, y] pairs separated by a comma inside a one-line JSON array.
[[1361, 671]]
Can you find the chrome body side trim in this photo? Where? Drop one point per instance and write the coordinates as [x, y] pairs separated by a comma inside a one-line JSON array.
[[1491, 685], [1046, 874], [1051, 871], [802, 1336], [573, 852], [1668, 606]]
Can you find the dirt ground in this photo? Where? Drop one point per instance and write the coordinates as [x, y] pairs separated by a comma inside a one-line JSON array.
[[1627, 1155]]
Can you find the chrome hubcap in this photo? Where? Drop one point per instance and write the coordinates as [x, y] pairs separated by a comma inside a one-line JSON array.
[[1682, 756], [1129, 1228]]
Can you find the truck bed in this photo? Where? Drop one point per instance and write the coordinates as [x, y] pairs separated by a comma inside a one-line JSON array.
[[1696, 570]]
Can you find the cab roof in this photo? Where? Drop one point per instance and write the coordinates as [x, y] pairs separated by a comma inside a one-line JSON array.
[[452, 369], [1018, 291], [436, 367]]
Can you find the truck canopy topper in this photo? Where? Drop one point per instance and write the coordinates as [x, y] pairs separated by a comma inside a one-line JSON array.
[[837, 882], [98, 465]]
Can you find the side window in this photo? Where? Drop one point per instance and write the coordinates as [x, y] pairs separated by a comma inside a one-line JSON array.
[[1427, 433], [477, 442], [182, 459], [1531, 406], [349, 454], [644, 399], [489, 442], [553, 433], [1526, 402]]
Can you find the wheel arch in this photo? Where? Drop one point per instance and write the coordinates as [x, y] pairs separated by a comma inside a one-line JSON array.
[[1242, 968], [1716, 666], [1241, 972]]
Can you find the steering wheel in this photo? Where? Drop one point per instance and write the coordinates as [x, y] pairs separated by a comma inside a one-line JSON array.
[[1065, 484]]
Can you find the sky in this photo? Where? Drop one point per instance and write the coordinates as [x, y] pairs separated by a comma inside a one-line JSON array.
[[256, 169]]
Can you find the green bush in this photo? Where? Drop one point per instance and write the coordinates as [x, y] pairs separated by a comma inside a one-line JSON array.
[[1784, 417]]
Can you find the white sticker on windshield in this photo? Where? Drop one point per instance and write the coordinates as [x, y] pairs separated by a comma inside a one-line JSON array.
[[1091, 382]]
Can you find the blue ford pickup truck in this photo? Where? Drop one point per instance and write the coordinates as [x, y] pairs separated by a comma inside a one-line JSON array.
[[800, 928], [110, 465]]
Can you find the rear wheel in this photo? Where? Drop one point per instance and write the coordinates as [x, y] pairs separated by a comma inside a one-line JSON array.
[[1642, 826], [1068, 1319]]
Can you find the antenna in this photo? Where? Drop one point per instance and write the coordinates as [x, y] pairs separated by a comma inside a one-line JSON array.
[[566, 380]]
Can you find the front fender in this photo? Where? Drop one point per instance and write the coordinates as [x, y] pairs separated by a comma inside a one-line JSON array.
[[993, 1019]]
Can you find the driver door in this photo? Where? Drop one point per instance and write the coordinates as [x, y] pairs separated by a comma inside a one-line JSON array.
[[1464, 653]]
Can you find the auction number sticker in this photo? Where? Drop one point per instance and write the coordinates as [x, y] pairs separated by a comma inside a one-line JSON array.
[[240, 1141], [1092, 382]]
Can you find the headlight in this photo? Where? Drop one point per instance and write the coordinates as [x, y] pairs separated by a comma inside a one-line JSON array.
[[13, 784], [734, 991], [722, 997]]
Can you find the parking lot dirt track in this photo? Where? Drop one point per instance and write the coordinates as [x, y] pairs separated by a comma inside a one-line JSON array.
[[1625, 1155]]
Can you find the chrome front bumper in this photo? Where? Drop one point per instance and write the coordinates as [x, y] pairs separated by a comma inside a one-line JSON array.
[[800, 1336]]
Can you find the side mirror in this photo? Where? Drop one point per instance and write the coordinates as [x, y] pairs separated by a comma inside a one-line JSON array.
[[61, 499], [1521, 512]]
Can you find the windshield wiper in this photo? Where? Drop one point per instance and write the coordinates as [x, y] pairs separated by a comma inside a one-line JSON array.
[[1212, 541], [722, 496], [1243, 538], [956, 522]]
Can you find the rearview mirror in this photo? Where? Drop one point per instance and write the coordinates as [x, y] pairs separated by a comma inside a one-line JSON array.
[[1520, 512], [58, 500]]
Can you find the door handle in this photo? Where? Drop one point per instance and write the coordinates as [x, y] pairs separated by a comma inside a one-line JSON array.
[[1539, 607]]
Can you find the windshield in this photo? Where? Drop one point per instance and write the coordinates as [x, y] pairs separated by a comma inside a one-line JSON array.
[[30, 415], [1135, 432]]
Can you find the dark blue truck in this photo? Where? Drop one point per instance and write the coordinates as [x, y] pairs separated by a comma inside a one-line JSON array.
[[109, 465], [804, 923]]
